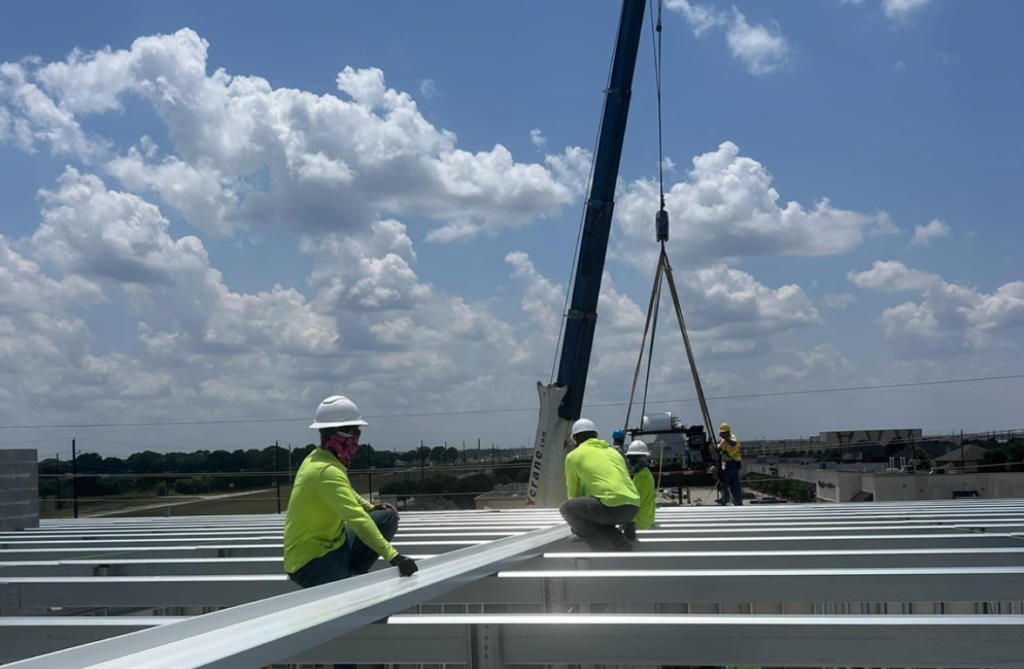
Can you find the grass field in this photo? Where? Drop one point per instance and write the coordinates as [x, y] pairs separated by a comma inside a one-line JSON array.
[[262, 501], [258, 502]]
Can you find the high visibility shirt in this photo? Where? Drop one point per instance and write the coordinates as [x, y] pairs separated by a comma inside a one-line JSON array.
[[601, 471], [644, 482], [321, 507], [730, 453]]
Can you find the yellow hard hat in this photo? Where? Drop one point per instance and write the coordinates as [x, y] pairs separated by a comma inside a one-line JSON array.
[[724, 427]]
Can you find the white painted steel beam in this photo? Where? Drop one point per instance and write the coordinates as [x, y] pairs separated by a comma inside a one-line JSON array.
[[784, 585], [738, 586], [274, 629], [783, 559], [847, 541], [798, 641], [211, 550], [793, 641], [23, 638], [807, 559], [970, 584]]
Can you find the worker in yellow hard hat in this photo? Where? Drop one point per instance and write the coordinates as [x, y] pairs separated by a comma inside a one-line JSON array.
[[729, 448]]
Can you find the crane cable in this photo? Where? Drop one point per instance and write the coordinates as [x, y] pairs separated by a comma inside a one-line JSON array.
[[664, 272], [656, 46]]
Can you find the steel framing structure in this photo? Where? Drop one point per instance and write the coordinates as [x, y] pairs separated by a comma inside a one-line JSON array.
[[921, 584]]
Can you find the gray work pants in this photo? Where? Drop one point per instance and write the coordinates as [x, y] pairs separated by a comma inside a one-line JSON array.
[[597, 524]]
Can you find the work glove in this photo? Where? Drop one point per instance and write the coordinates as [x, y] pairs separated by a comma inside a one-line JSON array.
[[406, 566], [630, 532]]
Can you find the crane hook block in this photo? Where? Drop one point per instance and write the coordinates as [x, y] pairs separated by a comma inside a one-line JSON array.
[[661, 225]]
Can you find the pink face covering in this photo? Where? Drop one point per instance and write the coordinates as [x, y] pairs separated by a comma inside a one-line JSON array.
[[343, 447]]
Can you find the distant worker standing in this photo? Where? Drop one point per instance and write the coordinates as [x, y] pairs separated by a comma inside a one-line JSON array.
[[601, 494], [619, 440], [729, 447], [643, 480], [330, 532]]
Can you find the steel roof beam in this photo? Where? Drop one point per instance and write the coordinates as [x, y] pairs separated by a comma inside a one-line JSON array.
[[793, 641], [274, 629], [963, 584], [22, 638], [798, 641], [806, 559]]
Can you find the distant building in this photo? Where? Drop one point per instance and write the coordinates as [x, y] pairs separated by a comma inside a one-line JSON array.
[[862, 484], [853, 444], [935, 448], [508, 496], [967, 458], [871, 437]]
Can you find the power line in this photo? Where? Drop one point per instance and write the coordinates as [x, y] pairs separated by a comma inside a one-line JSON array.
[[177, 449], [34, 441], [428, 414]]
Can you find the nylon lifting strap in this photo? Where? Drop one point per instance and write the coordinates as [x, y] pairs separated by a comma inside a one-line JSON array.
[[664, 273]]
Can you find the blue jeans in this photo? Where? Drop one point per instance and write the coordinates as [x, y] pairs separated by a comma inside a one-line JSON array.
[[731, 484], [352, 558]]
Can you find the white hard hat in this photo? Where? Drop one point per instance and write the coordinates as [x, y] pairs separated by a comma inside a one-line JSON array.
[[337, 411], [583, 425], [638, 448]]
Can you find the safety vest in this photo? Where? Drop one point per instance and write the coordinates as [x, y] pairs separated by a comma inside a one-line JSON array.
[[730, 453]]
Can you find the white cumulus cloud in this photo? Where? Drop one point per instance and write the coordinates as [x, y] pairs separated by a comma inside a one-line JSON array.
[[728, 208], [838, 301], [901, 9], [762, 48], [428, 89], [924, 234], [538, 139], [247, 153], [950, 317]]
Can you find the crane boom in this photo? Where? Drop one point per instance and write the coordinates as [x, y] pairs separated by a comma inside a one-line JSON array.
[[562, 402]]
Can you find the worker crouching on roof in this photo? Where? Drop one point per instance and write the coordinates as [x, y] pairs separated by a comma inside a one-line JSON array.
[[643, 480], [729, 447], [601, 495], [330, 532]]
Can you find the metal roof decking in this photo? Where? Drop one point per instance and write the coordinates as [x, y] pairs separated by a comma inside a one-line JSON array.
[[510, 587]]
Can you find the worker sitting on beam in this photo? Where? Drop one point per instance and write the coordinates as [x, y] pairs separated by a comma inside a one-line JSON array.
[[330, 532], [601, 495], [643, 480]]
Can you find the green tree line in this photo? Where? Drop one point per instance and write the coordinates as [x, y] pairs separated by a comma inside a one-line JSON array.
[[454, 492], [109, 476], [788, 489]]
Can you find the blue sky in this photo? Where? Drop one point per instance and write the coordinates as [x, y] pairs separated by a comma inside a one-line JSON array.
[[894, 110]]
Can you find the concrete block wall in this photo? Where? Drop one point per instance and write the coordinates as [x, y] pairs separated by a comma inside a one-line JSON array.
[[19, 489]]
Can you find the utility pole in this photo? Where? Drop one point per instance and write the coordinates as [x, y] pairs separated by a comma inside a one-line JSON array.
[[74, 479], [463, 452], [277, 473], [446, 454], [423, 463], [369, 471], [962, 450], [289, 463], [478, 450], [59, 475]]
